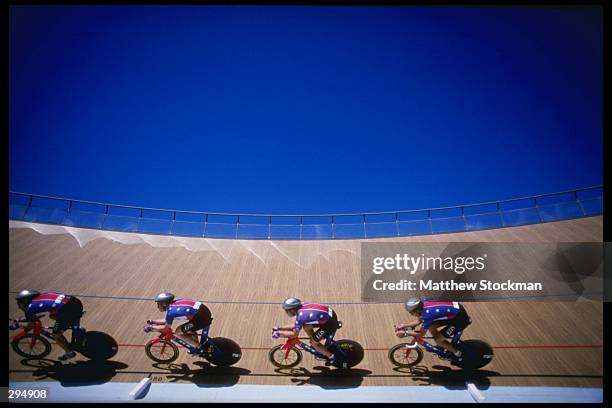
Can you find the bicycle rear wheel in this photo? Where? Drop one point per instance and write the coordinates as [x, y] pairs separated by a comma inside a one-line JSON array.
[[476, 354], [229, 352], [24, 347], [352, 353], [98, 346]]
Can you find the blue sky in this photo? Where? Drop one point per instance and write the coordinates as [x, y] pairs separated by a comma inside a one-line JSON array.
[[303, 109]]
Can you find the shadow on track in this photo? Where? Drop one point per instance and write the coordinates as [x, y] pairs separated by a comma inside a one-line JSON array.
[[85, 372], [325, 377], [208, 376], [449, 378]]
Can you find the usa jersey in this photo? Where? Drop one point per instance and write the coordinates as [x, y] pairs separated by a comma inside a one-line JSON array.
[[436, 311], [182, 309], [48, 302], [314, 314]]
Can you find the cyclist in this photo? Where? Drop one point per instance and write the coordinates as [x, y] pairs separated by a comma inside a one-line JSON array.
[[66, 310], [309, 316], [442, 319], [198, 317]]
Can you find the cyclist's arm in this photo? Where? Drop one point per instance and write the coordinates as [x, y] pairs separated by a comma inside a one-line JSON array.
[[158, 322], [160, 325], [292, 332], [415, 333], [24, 322], [412, 324]]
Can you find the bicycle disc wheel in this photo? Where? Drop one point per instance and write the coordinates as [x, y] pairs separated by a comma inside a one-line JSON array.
[[353, 353], [285, 358], [24, 347], [230, 352], [99, 346], [163, 351]]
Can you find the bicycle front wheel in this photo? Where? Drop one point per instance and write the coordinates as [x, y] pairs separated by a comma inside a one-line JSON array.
[[285, 358], [404, 356], [163, 351], [30, 347]]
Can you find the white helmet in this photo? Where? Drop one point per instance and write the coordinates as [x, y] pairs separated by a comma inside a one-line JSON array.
[[413, 304], [292, 304]]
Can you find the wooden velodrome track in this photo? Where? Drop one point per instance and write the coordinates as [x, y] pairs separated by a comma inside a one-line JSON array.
[[536, 343]]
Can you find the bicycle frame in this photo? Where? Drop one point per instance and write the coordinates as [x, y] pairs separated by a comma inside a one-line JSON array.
[[297, 342], [420, 340], [169, 335], [39, 330]]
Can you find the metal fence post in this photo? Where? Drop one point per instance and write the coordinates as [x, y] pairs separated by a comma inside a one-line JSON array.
[[333, 232], [397, 224], [365, 231], [501, 217], [67, 212], [535, 203], [301, 224], [579, 202]]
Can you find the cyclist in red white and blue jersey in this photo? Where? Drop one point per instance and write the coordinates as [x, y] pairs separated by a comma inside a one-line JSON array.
[[309, 316], [66, 310], [198, 317], [442, 319]]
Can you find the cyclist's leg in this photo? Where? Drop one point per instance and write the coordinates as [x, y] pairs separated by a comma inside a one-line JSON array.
[[75, 326], [315, 339], [61, 324], [199, 321], [439, 338], [65, 319], [204, 335], [455, 329], [186, 332], [204, 320]]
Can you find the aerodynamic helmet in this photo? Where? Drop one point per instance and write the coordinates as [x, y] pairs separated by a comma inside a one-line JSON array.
[[25, 297], [292, 304], [413, 304], [164, 297]]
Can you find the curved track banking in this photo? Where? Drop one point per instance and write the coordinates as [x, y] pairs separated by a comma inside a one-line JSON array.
[[536, 343]]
